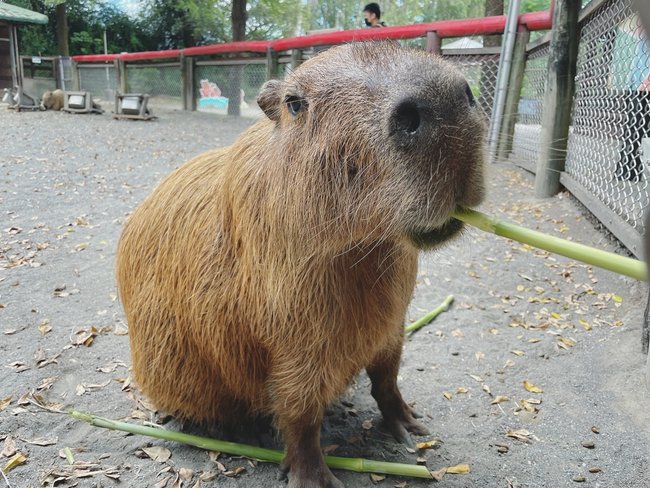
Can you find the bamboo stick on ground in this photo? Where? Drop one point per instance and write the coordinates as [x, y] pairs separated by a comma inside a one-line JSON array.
[[259, 453], [589, 255], [422, 321]]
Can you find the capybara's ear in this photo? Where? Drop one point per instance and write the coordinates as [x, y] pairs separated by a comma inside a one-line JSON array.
[[269, 99]]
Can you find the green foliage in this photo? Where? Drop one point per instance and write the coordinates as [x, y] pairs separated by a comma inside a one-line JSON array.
[[166, 24]]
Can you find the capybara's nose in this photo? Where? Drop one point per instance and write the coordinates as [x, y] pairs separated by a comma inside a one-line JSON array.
[[406, 118]]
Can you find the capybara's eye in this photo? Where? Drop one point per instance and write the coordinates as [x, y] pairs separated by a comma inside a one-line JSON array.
[[295, 105], [470, 95]]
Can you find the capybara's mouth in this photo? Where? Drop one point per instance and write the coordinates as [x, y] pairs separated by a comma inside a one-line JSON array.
[[433, 237]]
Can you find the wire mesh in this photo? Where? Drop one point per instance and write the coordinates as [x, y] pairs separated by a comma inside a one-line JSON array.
[[99, 80], [38, 76], [163, 83], [611, 112], [215, 84], [481, 73], [528, 128]]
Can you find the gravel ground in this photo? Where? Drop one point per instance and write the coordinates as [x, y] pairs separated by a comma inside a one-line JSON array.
[[67, 185]]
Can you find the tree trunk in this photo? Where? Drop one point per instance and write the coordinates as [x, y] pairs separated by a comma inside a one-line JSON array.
[[62, 29], [489, 69], [238, 17]]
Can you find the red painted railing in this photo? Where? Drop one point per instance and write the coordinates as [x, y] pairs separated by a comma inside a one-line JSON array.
[[443, 28]]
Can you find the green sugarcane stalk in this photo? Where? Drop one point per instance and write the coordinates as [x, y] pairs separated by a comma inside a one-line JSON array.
[[259, 453], [421, 322], [589, 255]]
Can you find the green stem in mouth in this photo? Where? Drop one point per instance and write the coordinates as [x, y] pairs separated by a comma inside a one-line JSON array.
[[589, 255]]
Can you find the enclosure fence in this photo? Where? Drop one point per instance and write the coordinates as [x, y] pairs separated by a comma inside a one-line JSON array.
[[608, 149]]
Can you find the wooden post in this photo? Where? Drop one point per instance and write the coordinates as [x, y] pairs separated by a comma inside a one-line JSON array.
[[515, 82], [120, 75], [558, 98], [271, 64], [296, 58], [187, 82], [76, 81], [434, 43]]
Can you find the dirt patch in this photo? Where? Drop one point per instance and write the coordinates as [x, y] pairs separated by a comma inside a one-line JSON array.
[[69, 181]]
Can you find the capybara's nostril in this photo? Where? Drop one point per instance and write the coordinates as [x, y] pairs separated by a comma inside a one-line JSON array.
[[406, 117]]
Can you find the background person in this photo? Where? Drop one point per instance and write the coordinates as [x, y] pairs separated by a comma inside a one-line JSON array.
[[372, 15]]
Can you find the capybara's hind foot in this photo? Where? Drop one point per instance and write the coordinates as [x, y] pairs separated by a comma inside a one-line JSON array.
[[320, 477], [400, 428]]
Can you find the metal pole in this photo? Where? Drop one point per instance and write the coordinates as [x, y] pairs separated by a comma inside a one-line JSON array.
[[506, 131], [503, 75], [108, 78]]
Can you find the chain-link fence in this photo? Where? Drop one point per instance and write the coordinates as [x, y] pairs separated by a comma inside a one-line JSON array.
[[480, 71], [528, 125], [214, 82], [162, 82], [39, 74], [611, 114], [99, 80]]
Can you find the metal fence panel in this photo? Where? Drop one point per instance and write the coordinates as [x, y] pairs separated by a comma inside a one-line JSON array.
[[99, 80], [528, 127], [481, 73], [214, 82], [162, 82], [611, 116]]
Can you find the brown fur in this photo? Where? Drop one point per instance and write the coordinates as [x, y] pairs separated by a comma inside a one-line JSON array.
[[260, 278], [52, 100]]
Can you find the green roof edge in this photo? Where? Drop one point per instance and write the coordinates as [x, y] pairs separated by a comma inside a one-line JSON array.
[[13, 13]]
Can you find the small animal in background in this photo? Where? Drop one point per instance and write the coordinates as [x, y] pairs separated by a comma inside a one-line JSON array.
[[52, 100]]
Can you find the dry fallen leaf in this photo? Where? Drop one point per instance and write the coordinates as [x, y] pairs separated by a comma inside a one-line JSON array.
[[42, 441], [565, 342], [47, 383], [499, 399], [433, 443], [157, 453], [459, 469], [5, 402], [447, 395], [45, 327], [9, 447], [376, 478], [437, 475], [518, 353], [532, 388], [207, 476], [521, 435], [162, 483], [18, 459]]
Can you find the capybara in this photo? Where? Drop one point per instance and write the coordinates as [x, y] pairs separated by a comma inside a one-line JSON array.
[[52, 100], [260, 278]]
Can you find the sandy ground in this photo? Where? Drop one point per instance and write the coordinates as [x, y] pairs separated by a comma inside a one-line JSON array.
[[67, 183]]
